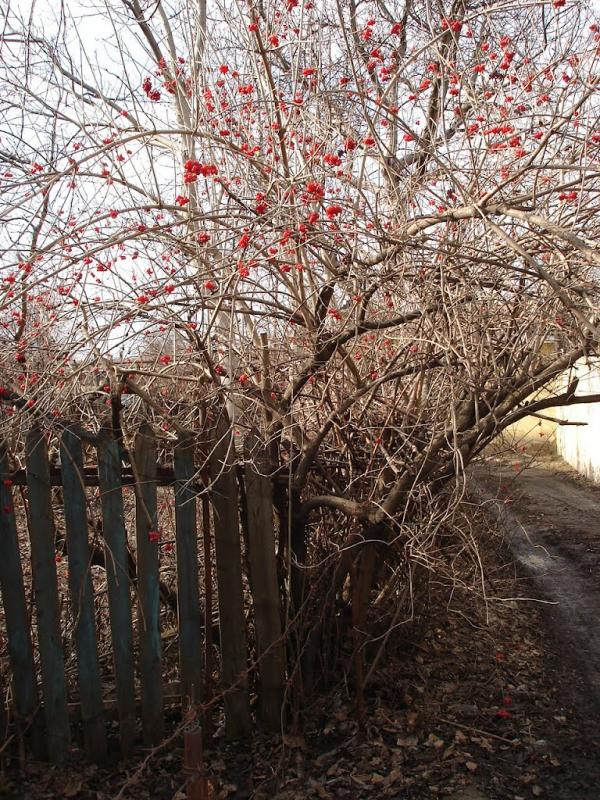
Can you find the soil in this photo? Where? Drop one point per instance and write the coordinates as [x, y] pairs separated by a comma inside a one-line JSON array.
[[496, 700]]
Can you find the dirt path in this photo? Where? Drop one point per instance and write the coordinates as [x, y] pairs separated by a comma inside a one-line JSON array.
[[552, 517]]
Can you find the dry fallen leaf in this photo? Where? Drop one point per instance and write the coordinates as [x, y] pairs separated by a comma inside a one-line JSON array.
[[320, 790], [448, 752], [484, 743], [407, 741], [226, 790], [72, 787], [412, 718], [459, 737], [392, 777], [361, 780], [471, 766], [434, 741], [294, 741]]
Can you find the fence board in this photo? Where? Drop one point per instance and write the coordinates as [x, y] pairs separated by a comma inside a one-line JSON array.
[[148, 586], [3, 719], [82, 598], [188, 596], [119, 597], [15, 607], [232, 623], [265, 589], [208, 611], [43, 565], [74, 476]]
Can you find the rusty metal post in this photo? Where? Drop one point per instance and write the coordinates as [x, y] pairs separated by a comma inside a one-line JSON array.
[[197, 787]]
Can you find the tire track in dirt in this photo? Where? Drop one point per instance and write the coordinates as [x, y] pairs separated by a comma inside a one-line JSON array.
[[551, 518]]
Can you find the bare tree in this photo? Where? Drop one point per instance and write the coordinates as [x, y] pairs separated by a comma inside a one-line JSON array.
[[359, 223]]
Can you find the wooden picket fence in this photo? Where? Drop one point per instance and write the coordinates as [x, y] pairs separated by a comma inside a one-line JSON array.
[[39, 706]]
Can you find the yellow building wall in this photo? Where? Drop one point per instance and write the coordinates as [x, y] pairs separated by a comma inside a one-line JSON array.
[[533, 434]]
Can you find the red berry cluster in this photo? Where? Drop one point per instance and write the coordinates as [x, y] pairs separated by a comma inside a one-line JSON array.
[[192, 169], [151, 94]]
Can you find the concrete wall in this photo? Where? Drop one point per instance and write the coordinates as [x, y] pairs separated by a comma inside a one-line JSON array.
[[580, 445]]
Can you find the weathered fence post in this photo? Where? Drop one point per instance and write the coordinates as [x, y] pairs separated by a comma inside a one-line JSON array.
[[82, 597], [43, 568], [208, 611], [15, 606], [188, 595], [3, 721], [232, 623], [148, 585], [193, 763], [119, 597], [265, 589]]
